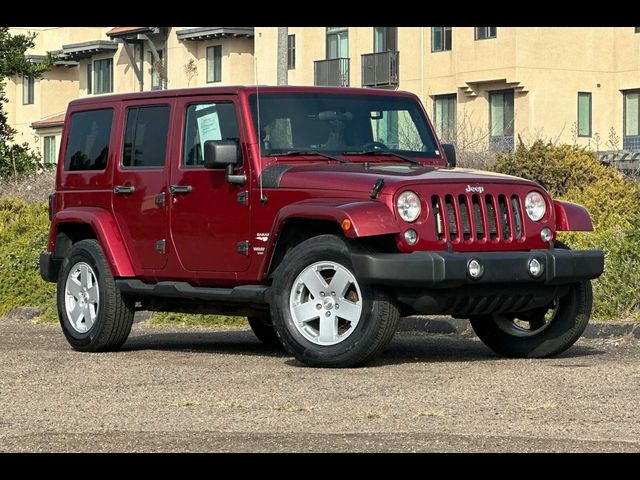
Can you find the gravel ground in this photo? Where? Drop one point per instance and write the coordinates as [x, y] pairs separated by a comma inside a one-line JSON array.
[[220, 390]]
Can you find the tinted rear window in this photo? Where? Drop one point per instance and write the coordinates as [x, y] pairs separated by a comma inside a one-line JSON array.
[[145, 137], [88, 141]]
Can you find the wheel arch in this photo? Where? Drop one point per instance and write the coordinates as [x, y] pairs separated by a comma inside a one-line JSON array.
[[369, 222], [73, 225], [572, 217]]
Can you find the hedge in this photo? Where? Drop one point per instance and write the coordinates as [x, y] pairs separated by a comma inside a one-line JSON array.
[[574, 174]]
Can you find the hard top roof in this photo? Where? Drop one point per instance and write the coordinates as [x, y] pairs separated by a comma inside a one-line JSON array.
[[230, 90]]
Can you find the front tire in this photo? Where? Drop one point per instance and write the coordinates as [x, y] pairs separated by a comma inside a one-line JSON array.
[[94, 315], [323, 315], [540, 333]]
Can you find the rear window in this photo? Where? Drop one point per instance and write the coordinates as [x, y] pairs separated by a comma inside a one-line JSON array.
[[88, 140], [145, 137]]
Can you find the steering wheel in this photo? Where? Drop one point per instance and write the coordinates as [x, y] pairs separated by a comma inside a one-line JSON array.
[[374, 145]]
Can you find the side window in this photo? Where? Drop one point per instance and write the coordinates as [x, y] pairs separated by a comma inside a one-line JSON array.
[[88, 140], [207, 121], [145, 136]]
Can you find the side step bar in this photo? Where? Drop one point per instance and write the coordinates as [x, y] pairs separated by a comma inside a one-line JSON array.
[[253, 294]]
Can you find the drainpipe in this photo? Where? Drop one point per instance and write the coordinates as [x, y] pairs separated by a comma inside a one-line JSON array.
[[422, 64], [282, 67]]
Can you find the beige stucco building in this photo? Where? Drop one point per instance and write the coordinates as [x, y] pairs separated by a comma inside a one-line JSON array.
[[483, 86], [103, 60]]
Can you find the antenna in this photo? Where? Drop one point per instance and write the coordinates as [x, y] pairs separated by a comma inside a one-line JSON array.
[[263, 198]]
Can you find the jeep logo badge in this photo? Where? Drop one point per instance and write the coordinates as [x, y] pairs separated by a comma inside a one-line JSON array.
[[476, 189]]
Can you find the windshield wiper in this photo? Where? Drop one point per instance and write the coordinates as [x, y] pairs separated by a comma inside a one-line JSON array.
[[384, 152], [308, 152]]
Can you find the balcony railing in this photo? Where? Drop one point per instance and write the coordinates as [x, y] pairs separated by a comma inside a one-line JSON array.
[[331, 73], [631, 143], [501, 143], [380, 69]]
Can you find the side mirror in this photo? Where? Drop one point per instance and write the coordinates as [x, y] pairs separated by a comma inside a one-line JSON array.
[[450, 154], [220, 153], [224, 154]]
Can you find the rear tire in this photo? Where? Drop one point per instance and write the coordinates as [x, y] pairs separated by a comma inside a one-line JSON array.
[[323, 315], [263, 329], [94, 315]]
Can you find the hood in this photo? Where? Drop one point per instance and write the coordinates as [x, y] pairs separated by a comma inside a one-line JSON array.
[[361, 178]]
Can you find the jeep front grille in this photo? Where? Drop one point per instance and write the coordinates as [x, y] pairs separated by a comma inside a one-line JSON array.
[[477, 217]]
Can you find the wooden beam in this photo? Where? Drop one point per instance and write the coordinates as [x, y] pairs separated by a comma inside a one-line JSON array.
[[132, 61]]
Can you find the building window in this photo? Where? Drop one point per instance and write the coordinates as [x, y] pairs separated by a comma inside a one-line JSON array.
[[637, 29], [145, 137], [444, 114], [103, 76], [385, 39], [89, 77], [291, 52], [50, 152], [483, 33], [214, 64], [156, 70], [88, 141], [584, 114], [337, 42], [501, 119], [27, 90], [440, 39], [631, 138]]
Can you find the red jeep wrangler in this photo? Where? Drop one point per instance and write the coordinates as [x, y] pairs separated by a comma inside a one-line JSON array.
[[322, 214]]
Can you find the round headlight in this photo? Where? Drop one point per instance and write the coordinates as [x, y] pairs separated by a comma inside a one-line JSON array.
[[409, 206], [535, 206]]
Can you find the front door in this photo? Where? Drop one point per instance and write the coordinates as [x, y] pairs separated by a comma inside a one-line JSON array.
[[209, 219], [140, 182]]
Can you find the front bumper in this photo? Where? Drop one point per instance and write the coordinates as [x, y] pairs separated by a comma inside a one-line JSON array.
[[439, 283], [449, 269]]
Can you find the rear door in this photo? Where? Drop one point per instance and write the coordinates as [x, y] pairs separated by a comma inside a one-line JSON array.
[[140, 181], [209, 217]]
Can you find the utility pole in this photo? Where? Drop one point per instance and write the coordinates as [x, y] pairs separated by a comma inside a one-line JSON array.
[[283, 70]]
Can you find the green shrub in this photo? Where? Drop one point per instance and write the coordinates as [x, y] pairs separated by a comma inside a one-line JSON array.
[[573, 173], [23, 235], [24, 230], [197, 320]]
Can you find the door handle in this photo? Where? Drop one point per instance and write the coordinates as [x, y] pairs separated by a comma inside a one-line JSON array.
[[122, 189], [180, 189]]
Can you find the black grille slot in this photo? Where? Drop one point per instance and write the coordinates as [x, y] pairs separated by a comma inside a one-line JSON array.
[[451, 217], [491, 217], [477, 217], [504, 217], [517, 216], [464, 217], [435, 205]]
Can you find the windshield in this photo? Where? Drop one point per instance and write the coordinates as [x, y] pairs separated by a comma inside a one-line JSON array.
[[339, 123]]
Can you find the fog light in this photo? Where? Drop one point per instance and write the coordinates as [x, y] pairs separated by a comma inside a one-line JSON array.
[[535, 267], [475, 269], [411, 236], [545, 234]]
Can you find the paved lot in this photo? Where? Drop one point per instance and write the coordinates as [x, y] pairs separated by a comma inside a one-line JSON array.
[[202, 390]]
